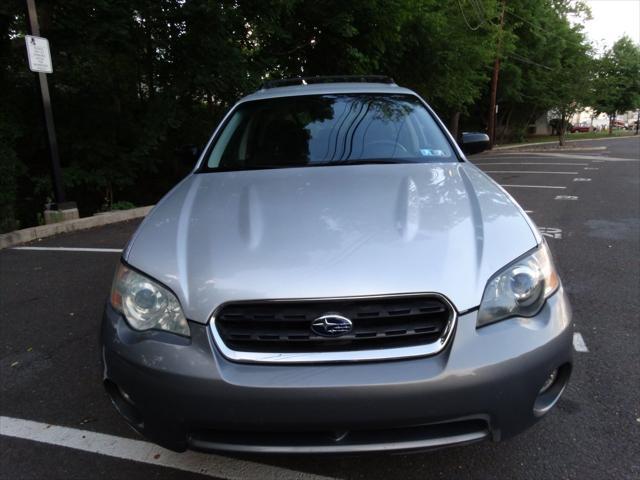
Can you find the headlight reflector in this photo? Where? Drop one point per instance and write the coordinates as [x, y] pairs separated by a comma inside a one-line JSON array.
[[520, 289], [146, 304]]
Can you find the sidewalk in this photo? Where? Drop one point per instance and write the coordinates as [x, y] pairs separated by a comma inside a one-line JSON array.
[[526, 145], [42, 231]]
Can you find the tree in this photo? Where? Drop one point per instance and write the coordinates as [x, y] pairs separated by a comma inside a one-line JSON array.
[[571, 76], [545, 64], [135, 79], [617, 81], [444, 57]]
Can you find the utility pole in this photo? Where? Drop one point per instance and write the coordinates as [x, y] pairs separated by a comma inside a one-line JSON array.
[[56, 171], [493, 111]]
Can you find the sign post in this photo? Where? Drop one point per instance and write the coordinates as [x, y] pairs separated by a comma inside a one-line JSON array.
[[40, 63]]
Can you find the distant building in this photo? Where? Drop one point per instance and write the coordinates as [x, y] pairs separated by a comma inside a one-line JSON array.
[[587, 117], [601, 122], [541, 125]]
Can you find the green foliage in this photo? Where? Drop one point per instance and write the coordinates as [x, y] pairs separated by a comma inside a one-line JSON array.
[[10, 169], [11, 166], [617, 84], [122, 205], [572, 77], [135, 79], [441, 58], [547, 62]]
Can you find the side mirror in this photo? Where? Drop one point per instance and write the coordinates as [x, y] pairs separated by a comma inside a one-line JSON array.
[[188, 153], [474, 142]]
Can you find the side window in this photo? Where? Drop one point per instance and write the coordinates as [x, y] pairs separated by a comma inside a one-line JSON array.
[[224, 146]]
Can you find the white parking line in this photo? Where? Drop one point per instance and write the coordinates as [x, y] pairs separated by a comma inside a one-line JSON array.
[[583, 157], [70, 249], [531, 163], [529, 171], [532, 186], [551, 232], [139, 451], [578, 343]]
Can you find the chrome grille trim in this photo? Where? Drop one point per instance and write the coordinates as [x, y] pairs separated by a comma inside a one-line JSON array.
[[423, 350]]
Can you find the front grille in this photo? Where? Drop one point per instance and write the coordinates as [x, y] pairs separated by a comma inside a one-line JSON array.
[[378, 323]]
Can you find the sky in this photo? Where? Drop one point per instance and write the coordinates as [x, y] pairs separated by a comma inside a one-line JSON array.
[[611, 20]]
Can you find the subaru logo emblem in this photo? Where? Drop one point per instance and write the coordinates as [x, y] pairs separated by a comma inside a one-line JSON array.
[[331, 325]]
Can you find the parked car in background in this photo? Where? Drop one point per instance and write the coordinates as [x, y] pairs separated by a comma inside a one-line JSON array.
[[580, 128], [335, 276]]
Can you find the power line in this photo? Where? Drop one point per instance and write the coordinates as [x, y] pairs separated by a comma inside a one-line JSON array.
[[466, 20], [479, 10], [537, 27], [520, 58], [526, 21]]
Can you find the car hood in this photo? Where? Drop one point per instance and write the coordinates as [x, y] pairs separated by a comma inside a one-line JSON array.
[[334, 231]]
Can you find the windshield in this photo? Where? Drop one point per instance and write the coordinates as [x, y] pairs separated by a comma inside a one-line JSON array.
[[328, 130]]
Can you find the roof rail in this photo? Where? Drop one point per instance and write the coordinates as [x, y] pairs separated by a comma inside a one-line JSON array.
[[287, 82]]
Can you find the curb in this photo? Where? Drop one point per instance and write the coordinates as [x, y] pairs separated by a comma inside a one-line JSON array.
[[525, 145], [34, 233]]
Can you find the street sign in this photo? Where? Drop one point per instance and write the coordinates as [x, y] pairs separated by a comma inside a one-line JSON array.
[[39, 55]]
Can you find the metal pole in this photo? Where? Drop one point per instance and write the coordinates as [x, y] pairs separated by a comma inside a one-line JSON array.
[[56, 171], [494, 84]]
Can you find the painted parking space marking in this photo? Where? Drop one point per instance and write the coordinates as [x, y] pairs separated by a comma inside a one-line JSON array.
[[144, 452], [578, 343], [581, 179], [551, 232], [591, 168], [566, 197], [530, 171], [578, 157], [533, 163], [533, 186], [70, 249]]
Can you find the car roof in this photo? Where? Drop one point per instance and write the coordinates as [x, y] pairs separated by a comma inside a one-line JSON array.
[[326, 88]]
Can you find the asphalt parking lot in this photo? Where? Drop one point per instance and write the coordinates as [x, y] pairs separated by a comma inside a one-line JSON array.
[[56, 421]]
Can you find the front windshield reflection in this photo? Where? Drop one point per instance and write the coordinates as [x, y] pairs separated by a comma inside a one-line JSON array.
[[329, 129]]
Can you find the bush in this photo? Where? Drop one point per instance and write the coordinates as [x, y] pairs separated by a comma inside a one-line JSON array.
[[122, 205], [10, 169]]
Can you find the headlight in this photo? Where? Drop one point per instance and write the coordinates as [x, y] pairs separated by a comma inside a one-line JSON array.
[[145, 304], [519, 289]]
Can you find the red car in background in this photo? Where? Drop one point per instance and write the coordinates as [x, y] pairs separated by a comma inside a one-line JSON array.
[[580, 128]]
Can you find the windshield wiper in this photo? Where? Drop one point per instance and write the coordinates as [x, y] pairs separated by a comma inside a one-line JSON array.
[[370, 161], [361, 161]]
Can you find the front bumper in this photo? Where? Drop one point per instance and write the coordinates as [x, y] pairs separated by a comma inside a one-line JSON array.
[[182, 393]]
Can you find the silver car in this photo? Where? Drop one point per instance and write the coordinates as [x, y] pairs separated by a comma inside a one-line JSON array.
[[335, 276]]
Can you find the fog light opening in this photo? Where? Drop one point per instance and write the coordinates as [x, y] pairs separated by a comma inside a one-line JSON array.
[[124, 405], [125, 396], [549, 381], [551, 390]]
